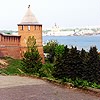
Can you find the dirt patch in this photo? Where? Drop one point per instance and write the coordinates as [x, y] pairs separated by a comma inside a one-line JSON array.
[[3, 63]]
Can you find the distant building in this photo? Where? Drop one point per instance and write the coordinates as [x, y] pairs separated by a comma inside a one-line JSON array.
[[15, 45]]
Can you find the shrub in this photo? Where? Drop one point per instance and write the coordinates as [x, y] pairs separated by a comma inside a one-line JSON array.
[[46, 70]]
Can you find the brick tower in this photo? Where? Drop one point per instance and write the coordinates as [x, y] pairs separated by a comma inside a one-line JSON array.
[[29, 26]]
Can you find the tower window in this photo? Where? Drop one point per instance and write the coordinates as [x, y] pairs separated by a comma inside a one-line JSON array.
[[34, 27], [22, 27], [29, 28]]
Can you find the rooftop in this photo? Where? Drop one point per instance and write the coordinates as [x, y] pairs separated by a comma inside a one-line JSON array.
[[29, 18]]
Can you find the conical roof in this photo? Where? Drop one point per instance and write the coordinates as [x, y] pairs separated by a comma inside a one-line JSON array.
[[29, 18]]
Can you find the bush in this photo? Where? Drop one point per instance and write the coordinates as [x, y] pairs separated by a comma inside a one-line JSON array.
[[46, 70]]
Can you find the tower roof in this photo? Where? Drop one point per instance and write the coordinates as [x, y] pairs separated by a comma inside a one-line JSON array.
[[29, 18]]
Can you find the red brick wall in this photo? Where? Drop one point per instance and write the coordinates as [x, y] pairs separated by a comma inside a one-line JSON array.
[[10, 51], [10, 46]]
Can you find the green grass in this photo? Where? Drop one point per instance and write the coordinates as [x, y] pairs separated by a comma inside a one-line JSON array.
[[14, 67]]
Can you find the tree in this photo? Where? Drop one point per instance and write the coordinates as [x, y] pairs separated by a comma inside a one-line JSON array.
[[74, 64], [69, 65], [93, 66], [50, 48], [61, 64], [59, 50], [84, 63], [32, 60]]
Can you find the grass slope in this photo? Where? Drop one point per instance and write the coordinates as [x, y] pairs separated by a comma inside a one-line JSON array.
[[14, 67]]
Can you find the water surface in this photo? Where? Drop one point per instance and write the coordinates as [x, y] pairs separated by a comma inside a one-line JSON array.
[[80, 41]]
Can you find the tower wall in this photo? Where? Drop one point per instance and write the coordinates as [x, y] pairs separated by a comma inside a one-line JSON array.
[[25, 32], [31, 30]]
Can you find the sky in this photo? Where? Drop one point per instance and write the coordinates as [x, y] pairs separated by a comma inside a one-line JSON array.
[[65, 13]]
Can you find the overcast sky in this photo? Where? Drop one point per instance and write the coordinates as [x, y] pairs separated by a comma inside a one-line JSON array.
[[65, 13]]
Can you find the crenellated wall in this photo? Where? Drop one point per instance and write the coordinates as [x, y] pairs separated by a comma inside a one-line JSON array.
[[9, 40], [10, 46]]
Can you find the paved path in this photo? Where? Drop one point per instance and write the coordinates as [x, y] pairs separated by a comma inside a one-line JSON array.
[[24, 88]]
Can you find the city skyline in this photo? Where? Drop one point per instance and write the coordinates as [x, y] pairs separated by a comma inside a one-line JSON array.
[[65, 13]]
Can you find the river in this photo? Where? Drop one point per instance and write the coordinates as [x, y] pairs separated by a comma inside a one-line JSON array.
[[79, 41]]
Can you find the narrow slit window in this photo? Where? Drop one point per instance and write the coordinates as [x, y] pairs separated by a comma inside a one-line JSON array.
[[22, 27], [34, 27], [4, 38]]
